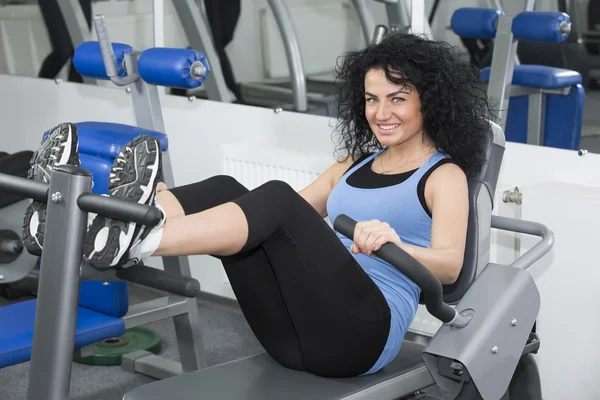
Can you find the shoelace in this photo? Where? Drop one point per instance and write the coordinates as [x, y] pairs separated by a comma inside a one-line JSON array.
[[55, 149], [121, 160]]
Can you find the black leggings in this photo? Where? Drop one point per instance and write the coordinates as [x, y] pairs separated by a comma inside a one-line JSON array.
[[309, 303]]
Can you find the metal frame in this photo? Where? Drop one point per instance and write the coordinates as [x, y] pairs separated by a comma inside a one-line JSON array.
[[148, 114], [500, 87], [502, 68], [76, 25], [365, 18], [69, 200], [403, 18], [59, 311]]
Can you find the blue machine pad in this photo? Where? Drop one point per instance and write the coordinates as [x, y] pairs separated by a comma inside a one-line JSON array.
[[18, 319], [540, 76]]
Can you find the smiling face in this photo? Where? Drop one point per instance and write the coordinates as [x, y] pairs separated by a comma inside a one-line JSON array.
[[393, 111]]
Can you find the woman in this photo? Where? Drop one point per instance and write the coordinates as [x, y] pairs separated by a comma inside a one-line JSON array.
[[412, 127]]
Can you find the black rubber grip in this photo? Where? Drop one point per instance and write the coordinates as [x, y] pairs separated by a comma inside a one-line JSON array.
[[161, 280], [119, 209], [409, 266], [24, 187]]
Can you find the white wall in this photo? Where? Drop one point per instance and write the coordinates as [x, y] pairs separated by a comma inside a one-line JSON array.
[[559, 187]]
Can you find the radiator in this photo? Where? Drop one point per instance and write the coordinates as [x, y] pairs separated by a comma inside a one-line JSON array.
[[253, 166]]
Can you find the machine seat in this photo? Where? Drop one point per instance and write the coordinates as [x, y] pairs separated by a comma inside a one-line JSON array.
[[540, 76], [261, 378], [16, 335]]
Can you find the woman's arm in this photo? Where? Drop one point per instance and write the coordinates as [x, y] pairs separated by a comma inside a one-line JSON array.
[[318, 191], [446, 194]]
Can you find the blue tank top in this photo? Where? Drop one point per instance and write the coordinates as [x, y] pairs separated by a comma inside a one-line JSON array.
[[399, 206]]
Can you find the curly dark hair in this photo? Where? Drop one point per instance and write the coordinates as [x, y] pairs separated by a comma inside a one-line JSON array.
[[454, 102]]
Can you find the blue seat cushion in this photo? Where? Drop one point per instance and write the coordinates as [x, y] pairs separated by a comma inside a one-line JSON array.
[[540, 76], [16, 335], [106, 139]]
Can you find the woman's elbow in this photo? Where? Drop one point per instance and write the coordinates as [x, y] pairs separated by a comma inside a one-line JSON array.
[[452, 271]]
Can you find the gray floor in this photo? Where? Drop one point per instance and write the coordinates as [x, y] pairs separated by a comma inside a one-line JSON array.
[[226, 337]]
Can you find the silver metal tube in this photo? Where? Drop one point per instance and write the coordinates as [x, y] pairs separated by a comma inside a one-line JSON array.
[[536, 118], [77, 26], [293, 53], [365, 18], [501, 73], [532, 255], [379, 34], [108, 55], [460, 320], [529, 5]]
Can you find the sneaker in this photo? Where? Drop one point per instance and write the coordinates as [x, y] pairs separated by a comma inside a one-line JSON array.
[[133, 177], [59, 147]]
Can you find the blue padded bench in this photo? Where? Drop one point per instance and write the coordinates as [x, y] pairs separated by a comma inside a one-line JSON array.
[[563, 114], [17, 334], [101, 305], [105, 140]]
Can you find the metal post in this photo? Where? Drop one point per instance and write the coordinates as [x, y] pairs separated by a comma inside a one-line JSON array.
[[158, 13], [293, 54], [501, 72], [77, 26], [366, 19], [529, 5], [417, 18], [536, 115], [58, 291], [398, 15], [200, 38], [146, 103]]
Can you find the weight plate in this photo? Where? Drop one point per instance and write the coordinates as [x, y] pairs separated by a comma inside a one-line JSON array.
[[109, 351]]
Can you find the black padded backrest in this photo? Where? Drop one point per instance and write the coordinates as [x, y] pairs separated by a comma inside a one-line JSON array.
[[481, 196]]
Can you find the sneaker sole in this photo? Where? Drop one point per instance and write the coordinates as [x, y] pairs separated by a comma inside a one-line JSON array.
[[35, 215], [108, 239]]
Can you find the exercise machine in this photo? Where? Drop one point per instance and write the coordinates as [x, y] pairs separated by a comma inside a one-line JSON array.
[[101, 301], [535, 104], [484, 348], [69, 200]]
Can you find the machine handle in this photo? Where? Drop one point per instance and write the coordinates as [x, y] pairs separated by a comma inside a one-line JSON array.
[[414, 270], [119, 209], [24, 187], [161, 280], [108, 55], [532, 255]]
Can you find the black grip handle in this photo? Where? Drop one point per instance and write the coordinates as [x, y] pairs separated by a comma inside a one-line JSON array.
[[161, 280], [409, 266], [24, 187], [119, 209]]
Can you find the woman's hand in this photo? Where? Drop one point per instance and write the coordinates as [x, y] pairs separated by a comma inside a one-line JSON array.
[[369, 236]]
